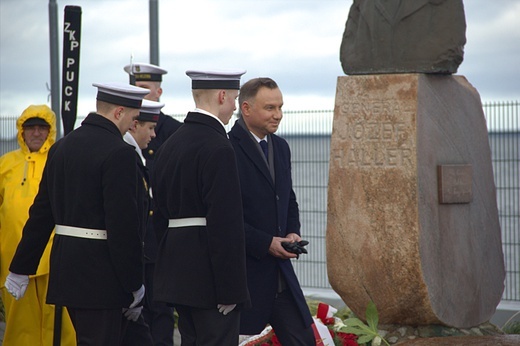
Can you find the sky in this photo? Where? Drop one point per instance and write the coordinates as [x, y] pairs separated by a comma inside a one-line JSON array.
[[295, 42]]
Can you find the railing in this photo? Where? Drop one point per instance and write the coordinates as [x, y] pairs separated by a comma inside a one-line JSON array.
[[308, 133]]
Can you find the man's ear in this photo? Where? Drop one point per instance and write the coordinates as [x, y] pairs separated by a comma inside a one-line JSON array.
[[245, 107], [159, 92], [118, 112], [221, 96]]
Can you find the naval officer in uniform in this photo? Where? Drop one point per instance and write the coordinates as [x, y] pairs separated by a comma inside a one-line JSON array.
[[158, 315], [136, 331], [200, 265], [150, 77], [88, 192]]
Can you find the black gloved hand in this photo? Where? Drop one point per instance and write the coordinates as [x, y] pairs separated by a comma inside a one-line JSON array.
[[296, 247]]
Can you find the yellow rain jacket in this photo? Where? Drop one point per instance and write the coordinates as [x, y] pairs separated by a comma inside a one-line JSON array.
[[20, 175], [29, 321]]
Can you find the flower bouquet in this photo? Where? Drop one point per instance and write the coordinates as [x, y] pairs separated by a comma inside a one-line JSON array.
[[326, 329]]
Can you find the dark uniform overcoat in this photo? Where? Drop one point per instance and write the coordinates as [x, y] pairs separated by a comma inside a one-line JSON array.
[[90, 180], [143, 199], [165, 127], [270, 210], [195, 175], [159, 316]]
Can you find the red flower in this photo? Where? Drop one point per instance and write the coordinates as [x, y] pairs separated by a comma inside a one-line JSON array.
[[347, 339]]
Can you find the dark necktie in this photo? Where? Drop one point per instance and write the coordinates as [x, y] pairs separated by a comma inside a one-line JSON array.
[[263, 144]]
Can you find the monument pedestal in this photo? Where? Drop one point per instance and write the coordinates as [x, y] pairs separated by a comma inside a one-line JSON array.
[[412, 214]]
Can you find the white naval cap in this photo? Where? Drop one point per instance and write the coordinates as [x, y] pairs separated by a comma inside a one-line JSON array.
[[150, 111], [141, 71], [121, 94], [215, 79]]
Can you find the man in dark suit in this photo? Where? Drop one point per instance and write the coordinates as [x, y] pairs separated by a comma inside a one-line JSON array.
[[200, 266], [271, 216], [88, 191], [157, 315]]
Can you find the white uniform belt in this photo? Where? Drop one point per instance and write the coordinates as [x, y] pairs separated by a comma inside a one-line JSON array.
[[80, 232], [187, 222]]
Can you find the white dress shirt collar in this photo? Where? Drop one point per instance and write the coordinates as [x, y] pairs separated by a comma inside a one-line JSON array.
[[130, 140], [258, 139]]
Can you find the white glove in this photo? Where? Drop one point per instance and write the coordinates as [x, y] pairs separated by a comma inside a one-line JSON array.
[[133, 313], [16, 284], [225, 309], [138, 296]]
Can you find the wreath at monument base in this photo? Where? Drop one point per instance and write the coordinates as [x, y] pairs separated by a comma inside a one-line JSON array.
[[325, 328]]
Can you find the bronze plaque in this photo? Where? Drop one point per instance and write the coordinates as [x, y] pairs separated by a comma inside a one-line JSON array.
[[455, 183]]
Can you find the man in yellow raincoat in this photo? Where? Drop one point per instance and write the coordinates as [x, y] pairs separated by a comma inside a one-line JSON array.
[[29, 321]]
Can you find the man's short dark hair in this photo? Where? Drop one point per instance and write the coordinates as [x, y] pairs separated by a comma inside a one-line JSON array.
[[249, 90]]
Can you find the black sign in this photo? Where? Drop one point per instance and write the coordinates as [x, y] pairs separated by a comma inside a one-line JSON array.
[[70, 70]]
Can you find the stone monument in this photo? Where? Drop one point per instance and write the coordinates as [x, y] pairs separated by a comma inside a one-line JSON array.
[[403, 36], [412, 213]]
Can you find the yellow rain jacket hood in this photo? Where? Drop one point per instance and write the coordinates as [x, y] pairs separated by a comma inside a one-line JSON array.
[[20, 175]]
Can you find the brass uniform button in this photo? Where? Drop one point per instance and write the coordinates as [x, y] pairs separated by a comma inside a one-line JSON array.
[[150, 213], [150, 152]]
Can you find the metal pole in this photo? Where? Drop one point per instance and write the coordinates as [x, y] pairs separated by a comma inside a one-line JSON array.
[[154, 32], [55, 64], [55, 106]]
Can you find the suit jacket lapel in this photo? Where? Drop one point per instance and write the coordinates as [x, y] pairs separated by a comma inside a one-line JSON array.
[[384, 13], [271, 167], [249, 147], [409, 7], [405, 9]]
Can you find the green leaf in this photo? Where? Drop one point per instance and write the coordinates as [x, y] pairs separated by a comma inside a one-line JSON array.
[[365, 333], [352, 330], [372, 316], [364, 339], [354, 322]]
